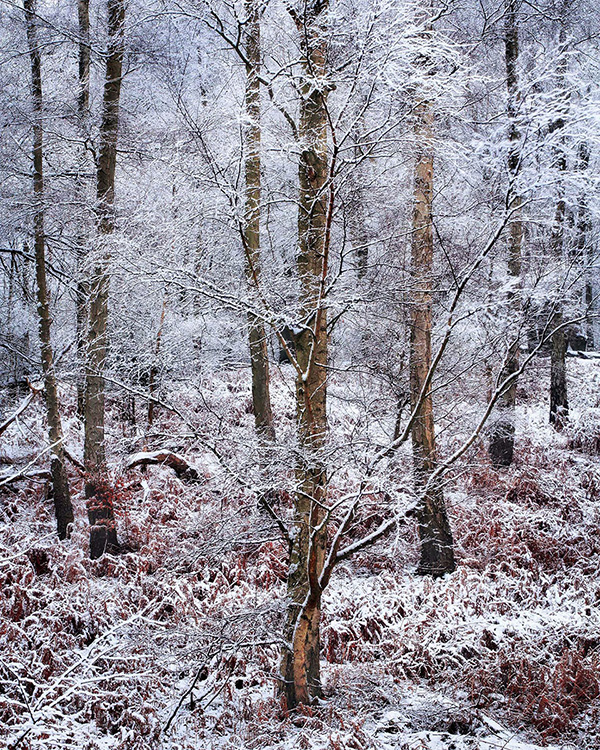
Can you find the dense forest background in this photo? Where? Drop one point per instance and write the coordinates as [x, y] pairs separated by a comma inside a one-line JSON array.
[[299, 368]]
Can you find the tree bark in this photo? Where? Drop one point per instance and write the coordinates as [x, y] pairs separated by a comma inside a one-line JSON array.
[[437, 547], [559, 406], [99, 494], [502, 432], [60, 485], [154, 369], [300, 667], [357, 226], [583, 229], [82, 291], [259, 356]]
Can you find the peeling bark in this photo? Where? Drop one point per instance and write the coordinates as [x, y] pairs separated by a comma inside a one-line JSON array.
[[300, 669]]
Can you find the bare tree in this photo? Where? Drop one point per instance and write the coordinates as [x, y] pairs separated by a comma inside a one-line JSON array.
[[559, 405], [83, 106], [437, 550], [60, 484], [502, 437], [300, 669], [259, 356], [103, 534]]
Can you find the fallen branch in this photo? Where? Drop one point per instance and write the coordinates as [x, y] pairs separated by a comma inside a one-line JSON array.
[[73, 459], [25, 473], [582, 355], [166, 458], [22, 407]]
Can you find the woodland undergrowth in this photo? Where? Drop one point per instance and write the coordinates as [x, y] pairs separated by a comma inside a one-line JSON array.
[[174, 642]]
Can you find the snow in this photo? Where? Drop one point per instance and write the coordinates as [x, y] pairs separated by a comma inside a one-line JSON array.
[[503, 653]]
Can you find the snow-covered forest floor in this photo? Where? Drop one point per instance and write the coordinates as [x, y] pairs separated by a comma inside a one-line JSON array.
[[174, 643]]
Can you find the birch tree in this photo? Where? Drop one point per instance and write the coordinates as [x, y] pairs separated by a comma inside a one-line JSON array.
[[300, 668]]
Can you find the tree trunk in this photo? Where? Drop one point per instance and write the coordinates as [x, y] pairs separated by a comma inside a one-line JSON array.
[[300, 668], [437, 548], [60, 485], [357, 226], [559, 406], [82, 291], [154, 369], [99, 494], [259, 357], [502, 432], [583, 229]]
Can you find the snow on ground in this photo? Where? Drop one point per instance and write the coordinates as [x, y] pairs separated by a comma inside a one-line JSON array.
[[174, 644]]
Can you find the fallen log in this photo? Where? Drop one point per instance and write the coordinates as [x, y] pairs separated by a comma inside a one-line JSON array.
[[174, 461]]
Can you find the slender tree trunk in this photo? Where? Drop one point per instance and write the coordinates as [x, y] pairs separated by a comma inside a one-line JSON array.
[[359, 235], [502, 432], [259, 356], [60, 485], [583, 229], [82, 292], [559, 406], [437, 548], [99, 494], [154, 369], [300, 669]]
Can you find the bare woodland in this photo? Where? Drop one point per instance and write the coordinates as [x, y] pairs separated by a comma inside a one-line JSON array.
[[299, 367]]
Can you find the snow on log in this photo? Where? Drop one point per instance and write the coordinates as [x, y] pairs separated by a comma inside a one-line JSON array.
[[166, 458], [40, 474], [22, 407]]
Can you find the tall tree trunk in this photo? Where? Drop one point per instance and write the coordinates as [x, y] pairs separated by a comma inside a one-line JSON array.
[[583, 229], [60, 485], [259, 356], [99, 494], [82, 291], [357, 226], [300, 669], [502, 432], [559, 406], [437, 548]]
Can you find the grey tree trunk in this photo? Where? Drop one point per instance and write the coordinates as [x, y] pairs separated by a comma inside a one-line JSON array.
[[437, 547], [300, 670], [357, 226], [259, 356], [99, 493], [154, 369], [583, 230], [559, 406], [60, 485], [502, 432], [82, 291]]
